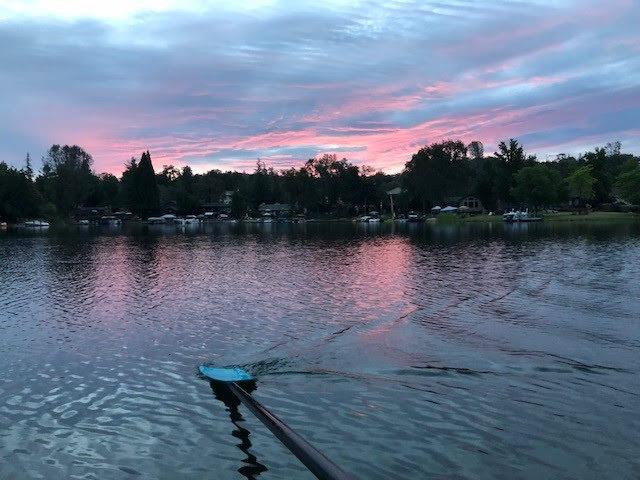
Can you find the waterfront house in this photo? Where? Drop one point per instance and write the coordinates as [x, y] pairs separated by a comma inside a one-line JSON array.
[[468, 203], [222, 205], [92, 213], [274, 209]]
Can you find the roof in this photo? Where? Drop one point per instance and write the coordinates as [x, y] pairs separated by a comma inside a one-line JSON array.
[[274, 207], [457, 199]]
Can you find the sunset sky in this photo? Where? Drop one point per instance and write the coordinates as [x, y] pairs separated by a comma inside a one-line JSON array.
[[218, 85]]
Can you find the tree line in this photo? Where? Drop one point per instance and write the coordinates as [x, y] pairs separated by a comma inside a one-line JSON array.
[[326, 185]]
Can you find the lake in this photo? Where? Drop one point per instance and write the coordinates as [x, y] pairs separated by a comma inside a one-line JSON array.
[[405, 352]]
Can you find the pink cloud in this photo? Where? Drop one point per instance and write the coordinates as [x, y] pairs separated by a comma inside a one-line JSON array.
[[383, 148]]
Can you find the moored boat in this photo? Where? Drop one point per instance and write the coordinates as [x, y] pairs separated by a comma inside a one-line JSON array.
[[110, 220], [413, 217], [515, 216], [36, 224]]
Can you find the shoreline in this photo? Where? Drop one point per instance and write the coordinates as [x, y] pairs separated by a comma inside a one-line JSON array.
[[598, 216], [561, 217]]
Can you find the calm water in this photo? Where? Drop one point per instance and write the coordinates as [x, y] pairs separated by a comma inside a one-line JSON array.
[[474, 352]]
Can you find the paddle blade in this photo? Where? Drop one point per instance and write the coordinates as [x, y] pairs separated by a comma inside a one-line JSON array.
[[225, 374]]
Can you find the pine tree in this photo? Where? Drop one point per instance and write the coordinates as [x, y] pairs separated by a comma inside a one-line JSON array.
[[28, 169], [147, 187]]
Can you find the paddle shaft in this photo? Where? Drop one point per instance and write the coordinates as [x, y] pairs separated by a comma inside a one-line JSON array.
[[315, 461]]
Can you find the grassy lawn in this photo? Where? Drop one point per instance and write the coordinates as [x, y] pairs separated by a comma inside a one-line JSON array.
[[556, 217], [482, 218], [592, 217]]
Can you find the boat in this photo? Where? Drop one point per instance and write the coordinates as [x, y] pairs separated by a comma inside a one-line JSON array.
[[83, 222], [515, 216], [374, 217], [191, 220], [109, 220], [155, 220], [413, 217], [36, 224], [168, 218]]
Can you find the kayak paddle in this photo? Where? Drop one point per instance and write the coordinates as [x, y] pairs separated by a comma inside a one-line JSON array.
[[314, 460]]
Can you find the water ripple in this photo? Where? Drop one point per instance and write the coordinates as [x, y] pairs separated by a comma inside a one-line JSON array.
[[436, 352]]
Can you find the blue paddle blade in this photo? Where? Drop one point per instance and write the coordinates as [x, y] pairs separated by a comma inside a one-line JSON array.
[[225, 374]]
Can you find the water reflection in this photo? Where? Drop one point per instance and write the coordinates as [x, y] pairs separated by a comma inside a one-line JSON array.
[[252, 468], [464, 351]]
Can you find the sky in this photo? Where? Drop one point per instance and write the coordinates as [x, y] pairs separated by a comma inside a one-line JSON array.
[[218, 84]]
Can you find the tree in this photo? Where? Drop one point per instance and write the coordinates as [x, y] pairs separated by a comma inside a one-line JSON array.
[[628, 182], [336, 182], [67, 179], [580, 183], [598, 160], [613, 148], [19, 198], [186, 200], [510, 159], [145, 181], [476, 150], [128, 184], [109, 189], [238, 205], [139, 187], [260, 192], [537, 186], [325, 184], [437, 171], [168, 175], [28, 167], [490, 178], [512, 154]]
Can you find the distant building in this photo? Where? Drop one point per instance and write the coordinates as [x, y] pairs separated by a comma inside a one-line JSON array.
[[468, 203], [472, 204], [226, 197], [169, 206], [92, 213], [275, 209], [223, 205]]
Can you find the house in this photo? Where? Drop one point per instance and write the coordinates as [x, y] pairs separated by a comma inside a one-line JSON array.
[[92, 213], [467, 204], [223, 205], [472, 204], [275, 209]]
